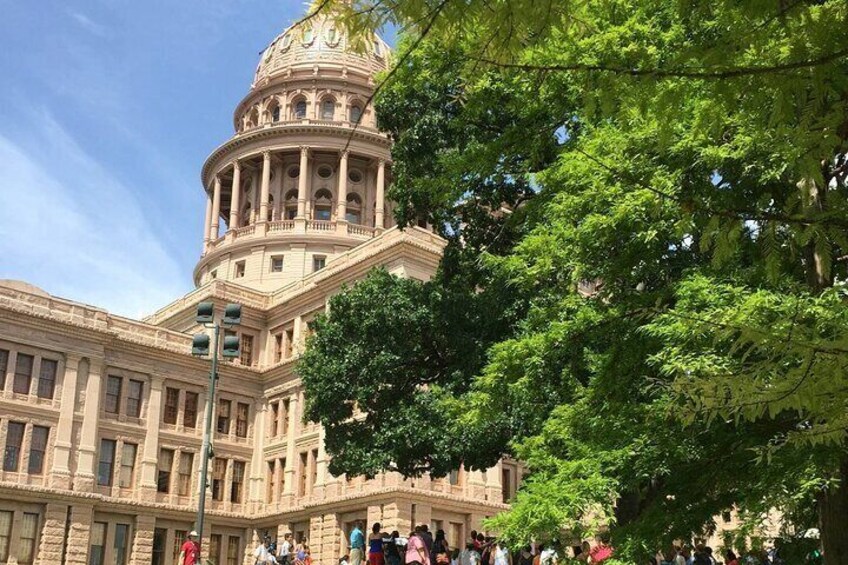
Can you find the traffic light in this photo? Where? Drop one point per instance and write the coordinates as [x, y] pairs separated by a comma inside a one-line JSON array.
[[231, 346], [200, 345], [205, 312], [232, 314]]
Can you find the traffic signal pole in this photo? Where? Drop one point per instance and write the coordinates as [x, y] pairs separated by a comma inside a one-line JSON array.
[[207, 435]]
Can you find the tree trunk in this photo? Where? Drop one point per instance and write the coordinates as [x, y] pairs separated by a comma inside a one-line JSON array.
[[833, 518]]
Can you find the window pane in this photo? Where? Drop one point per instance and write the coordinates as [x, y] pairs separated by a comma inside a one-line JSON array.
[[215, 549], [5, 534], [122, 534], [4, 365], [223, 417], [242, 411], [238, 480], [180, 537], [134, 395], [159, 536], [107, 462], [38, 447], [29, 531], [47, 378], [98, 544], [128, 454], [246, 350], [112, 402], [14, 440], [186, 463], [166, 463], [172, 403], [233, 550], [190, 410], [23, 374]]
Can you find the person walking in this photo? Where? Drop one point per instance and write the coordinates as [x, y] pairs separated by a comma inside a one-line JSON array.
[[284, 557], [416, 549], [261, 556], [375, 546], [357, 544], [190, 550], [501, 554], [440, 554], [391, 550]]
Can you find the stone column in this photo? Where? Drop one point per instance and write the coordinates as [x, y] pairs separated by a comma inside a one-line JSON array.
[[266, 187], [51, 543], [494, 492], [379, 210], [150, 457], [79, 535], [235, 197], [397, 515], [257, 465], [302, 181], [291, 454], [321, 465], [142, 542], [341, 207], [374, 514], [331, 540], [85, 474], [60, 474], [216, 210], [207, 224]]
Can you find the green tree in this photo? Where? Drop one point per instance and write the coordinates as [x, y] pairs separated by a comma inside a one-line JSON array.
[[686, 162]]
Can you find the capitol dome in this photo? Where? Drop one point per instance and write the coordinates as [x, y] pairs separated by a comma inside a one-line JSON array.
[[319, 42], [304, 177]]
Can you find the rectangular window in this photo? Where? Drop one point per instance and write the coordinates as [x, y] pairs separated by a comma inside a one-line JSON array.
[[26, 543], [276, 263], [134, 394], [278, 347], [172, 405], [97, 552], [107, 462], [219, 473], [190, 410], [453, 477], [122, 538], [318, 262], [112, 402], [233, 550], [284, 416], [282, 475], [4, 366], [126, 476], [163, 474], [271, 495], [47, 378], [242, 412], [246, 350], [37, 449], [237, 485], [5, 534], [186, 463], [240, 268], [506, 484], [275, 416], [223, 426], [179, 538], [288, 347], [304, 468], [158, 554], [14, 441], [214, 549], [314, 468], [23, 374]]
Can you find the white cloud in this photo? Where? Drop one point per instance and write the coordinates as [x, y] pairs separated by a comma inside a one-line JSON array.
[[90, 25], [70, 227]]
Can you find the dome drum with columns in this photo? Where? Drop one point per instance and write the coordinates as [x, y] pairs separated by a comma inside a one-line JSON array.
[[304, 177]]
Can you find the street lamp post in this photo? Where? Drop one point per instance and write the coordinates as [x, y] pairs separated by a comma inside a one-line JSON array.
[[201, 347]]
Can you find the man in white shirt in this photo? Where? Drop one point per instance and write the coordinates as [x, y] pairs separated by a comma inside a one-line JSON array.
[[285, 550], [261, 554]]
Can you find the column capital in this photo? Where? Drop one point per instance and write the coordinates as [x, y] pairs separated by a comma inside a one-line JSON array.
[[236, 165], [381, 163], [304, 150], [345, 153], [266, 154]]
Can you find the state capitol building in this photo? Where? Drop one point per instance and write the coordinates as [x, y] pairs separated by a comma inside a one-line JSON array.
[[102, 416]]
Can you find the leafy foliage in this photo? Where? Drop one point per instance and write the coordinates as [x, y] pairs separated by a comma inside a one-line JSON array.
[[666, 315]]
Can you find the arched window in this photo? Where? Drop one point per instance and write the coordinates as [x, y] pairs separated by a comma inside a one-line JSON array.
[[354, 209], [245, 215], [332, 37], [328, 109], [291, 205], [355, 114], [275, 113], [300, 110], [308, 36], [323, 205], [270, 208]]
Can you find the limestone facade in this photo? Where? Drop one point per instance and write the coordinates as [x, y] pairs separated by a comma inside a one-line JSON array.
[[101, 416]]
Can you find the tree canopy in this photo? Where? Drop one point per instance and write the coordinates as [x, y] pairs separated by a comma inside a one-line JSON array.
[[643, 295]]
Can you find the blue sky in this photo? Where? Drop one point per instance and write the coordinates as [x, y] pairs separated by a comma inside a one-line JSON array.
[[107, 110]]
